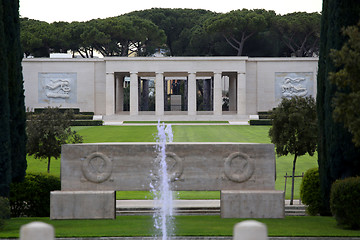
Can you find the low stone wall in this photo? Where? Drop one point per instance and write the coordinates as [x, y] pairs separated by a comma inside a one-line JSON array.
[[235, 167]]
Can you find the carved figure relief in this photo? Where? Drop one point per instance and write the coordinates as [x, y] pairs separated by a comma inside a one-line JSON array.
[[97, 167], [293, 87], [239, 167], [292, 84], [57, 87]]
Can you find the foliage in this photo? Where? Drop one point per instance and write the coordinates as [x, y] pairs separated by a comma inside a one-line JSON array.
[[174, 32], [266, 122], [294, 129], [12, 110], [337, 156], [86, 123], [239, 25], [345, 202], [31, 197], [181, 26], [300, 32], [347, 98], [4, 211], [5, 145], [16, 92], [47, 131], [310, 191]]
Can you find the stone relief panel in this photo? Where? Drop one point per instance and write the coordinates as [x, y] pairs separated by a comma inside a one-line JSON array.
[[288, 85], [239, 167], [97, 167], [57, 87]]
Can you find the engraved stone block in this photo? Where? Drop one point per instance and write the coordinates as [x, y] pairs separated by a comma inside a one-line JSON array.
[[252, 204], [82, 205]]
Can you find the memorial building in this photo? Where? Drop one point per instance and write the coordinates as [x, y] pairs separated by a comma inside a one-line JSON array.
[[167, 88]]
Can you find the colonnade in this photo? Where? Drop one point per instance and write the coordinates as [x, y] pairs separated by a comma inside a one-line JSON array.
[[115, 91]]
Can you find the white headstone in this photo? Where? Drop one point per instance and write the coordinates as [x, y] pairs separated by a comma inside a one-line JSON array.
[[37, 231], [250, 230]]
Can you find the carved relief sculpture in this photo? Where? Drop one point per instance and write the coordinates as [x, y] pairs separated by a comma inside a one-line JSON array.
[[58, 89], [293, 87]]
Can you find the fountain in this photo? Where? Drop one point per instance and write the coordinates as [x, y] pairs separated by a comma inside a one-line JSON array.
[[91, 173], [160, 186]]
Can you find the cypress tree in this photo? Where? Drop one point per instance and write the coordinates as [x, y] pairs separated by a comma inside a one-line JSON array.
[[16, 92], [337, 156], [5, 161]]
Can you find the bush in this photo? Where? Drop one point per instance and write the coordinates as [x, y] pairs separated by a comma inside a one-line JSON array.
[[4, 211], [345, 202], [83, 117], [310, 191], [31, 198], [266, 122], [86, 123]]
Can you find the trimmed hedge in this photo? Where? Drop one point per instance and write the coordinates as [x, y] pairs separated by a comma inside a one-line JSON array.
[[31, 198], [4, 211], [345, 202], [86, 123], [74, 110], [266, 122], [83, 117], [310, 191]]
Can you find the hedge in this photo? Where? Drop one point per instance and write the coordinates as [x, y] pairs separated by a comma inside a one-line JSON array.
[[267, 122], [310, 191], [345, 202], [86, 123], [31, 198], [4, 211]]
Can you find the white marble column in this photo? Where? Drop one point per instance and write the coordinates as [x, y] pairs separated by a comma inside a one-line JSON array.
[[159, 94], [241, 94], [191, 93], [110, 94], [217, 94], [134, 94], [232, 93], [119, 106]]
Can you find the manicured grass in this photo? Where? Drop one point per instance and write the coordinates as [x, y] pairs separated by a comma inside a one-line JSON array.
[[184, 226], [193, 133]]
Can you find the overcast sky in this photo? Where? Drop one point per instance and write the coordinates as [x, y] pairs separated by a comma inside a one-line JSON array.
[[83, 10]]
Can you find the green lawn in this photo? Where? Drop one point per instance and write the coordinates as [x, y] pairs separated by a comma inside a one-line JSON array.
[[192, 133], [184, 226]]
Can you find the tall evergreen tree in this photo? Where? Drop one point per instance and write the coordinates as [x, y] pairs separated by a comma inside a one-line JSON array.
[[5, 162], [16, 90], [12, 108], [337, 156]]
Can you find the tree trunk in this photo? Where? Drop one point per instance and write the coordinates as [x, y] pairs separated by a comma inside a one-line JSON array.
[[293, 181], [48, 169]]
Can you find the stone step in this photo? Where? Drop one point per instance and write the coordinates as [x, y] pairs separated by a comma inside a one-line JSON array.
[[190, 207]]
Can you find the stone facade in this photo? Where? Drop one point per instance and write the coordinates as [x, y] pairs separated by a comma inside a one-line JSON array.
[[99, 85]]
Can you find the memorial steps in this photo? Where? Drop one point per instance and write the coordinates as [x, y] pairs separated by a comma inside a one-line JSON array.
[[176, 116], [192, 207]]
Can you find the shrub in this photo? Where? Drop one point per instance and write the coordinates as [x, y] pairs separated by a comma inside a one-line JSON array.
[[310, 191], [4, 211], [345, 202], [86, 123], [31, 197], [266, 122]]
